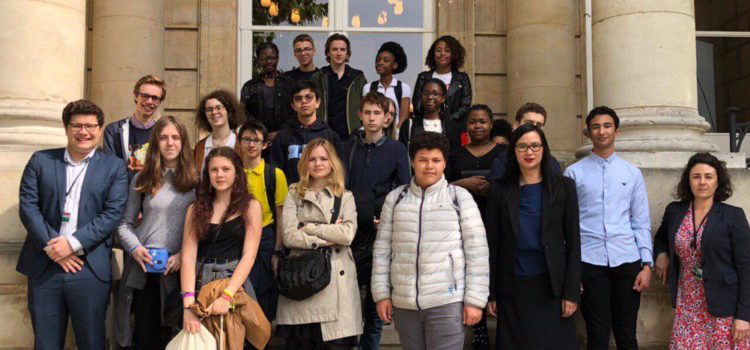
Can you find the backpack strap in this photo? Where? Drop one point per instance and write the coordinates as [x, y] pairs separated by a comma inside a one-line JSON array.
[[401, 195], [269, 176], [336, 209], [399, 93], [374, 86]]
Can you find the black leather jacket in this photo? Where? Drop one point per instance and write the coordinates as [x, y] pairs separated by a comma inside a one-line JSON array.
[[252, 99], [458, 99]]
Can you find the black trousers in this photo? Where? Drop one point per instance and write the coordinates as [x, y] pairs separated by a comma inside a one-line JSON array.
[[609, 303], [148, 332]]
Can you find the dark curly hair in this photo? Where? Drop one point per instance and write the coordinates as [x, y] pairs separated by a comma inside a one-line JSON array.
[[239, 199], [501, 127], [724, 189], [82, 107], [458, 53], [398, 54], [429, 140], [235, 112]]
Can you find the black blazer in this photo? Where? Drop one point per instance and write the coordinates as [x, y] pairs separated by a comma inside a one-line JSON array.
[[725, 248], [561, 237]]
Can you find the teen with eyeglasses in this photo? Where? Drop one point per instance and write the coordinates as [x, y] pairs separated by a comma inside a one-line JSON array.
[[296, 133], [304, 51], [268, 185], [433, 116], [219, 113], [127, 138]]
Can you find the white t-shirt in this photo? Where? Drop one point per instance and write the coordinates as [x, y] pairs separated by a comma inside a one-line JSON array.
[[433, 125], [446, 78], [391, 93]]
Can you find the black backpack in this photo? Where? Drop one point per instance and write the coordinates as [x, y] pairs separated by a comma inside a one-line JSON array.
[[269, 176]]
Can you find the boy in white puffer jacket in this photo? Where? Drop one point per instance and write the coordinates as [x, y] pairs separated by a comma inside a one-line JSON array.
[[430, 272]]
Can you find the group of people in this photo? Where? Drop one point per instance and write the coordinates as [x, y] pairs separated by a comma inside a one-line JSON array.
[[431, 215]]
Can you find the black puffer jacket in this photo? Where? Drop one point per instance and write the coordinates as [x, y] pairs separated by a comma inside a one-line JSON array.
[[458, 99]]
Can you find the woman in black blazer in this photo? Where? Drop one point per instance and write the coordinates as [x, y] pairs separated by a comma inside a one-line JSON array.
[[708, 268], [444, 58], [535, 249]]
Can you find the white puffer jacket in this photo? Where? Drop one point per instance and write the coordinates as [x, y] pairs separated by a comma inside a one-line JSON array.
[[422, 258]]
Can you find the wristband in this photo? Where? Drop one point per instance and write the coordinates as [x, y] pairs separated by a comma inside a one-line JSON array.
[[228, 293], [130, 252], [226, 297], [188, 294]]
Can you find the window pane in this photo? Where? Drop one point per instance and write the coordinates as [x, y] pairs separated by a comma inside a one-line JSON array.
[[283, 40], [301, 13], [385, 13], [723, 79], [365, 47], [712, 15]]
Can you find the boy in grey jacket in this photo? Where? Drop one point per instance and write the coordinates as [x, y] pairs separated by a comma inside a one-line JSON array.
[[430, 272]]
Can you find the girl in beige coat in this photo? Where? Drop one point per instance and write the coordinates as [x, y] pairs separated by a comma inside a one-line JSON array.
[[332, 317]]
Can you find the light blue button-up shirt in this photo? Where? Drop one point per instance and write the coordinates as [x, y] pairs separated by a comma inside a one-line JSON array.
[[613, 209]]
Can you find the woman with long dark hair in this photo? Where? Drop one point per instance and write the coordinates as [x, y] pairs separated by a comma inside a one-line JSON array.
[[702, 251], [266, 97], [221, 236], [161, 193], [433, 115], [219, 113], [331, 318], [535, 250], [444, 58]]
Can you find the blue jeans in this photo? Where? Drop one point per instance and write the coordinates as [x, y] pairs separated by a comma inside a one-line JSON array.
[[370, 339]]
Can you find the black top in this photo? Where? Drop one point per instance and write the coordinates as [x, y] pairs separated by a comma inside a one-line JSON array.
[[463, 164], [228, 243], [530, 259], [296, 74], [724, 249], [286, 150], [560, 236], [338, 89], [270, 105]]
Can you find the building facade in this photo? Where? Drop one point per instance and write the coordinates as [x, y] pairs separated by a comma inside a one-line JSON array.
[[639, 57]]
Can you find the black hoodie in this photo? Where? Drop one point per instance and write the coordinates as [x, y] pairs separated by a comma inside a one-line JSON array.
[[287, 147]]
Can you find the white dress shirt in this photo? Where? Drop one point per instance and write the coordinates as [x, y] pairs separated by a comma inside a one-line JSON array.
[[75, 174]]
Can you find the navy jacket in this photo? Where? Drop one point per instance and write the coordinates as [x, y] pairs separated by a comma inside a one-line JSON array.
[[286, 149], [725, 249], [42, 196]]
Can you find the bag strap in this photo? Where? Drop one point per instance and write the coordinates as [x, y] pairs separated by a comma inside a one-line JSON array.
[[401, 195], [374, 86], [336, 209], [269, 176], [399, 93]]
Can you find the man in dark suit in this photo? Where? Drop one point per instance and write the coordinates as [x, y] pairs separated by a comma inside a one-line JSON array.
[[71, 200]]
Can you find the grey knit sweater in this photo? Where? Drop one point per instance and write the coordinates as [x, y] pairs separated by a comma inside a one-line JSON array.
[[163, 217]]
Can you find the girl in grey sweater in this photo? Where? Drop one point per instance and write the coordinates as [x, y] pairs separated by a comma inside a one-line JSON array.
[[160, 195]]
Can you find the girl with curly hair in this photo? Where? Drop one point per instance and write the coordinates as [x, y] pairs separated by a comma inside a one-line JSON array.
[[219, 113]]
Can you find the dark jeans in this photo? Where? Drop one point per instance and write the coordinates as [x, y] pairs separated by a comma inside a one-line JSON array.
[[149, 332], [370, 339], [609, 303]]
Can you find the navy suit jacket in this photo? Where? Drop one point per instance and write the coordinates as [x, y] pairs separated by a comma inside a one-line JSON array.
[[42, 196], [725, 248]]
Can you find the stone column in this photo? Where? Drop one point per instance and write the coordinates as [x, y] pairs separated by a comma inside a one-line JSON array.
[[43, 47], [127, 43], [644, 63], [542, 66]]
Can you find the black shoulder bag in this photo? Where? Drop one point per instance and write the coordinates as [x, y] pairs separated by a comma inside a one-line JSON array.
[[302, 276]]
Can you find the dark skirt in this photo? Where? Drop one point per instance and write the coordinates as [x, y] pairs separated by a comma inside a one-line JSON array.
[[532, 320], [309, 333]]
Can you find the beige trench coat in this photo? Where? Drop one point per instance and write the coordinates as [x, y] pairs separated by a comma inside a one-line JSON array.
[[337, 307]]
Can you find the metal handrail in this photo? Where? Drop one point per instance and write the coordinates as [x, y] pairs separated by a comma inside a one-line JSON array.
[[737, 131]]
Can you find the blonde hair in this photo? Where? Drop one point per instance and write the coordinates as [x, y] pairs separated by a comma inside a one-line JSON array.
[[335, 178]]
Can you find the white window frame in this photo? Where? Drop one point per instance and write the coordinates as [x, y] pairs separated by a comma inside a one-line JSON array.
[[338, 23]]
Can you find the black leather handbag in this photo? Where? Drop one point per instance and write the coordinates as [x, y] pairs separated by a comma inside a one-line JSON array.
[[303, 275]]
